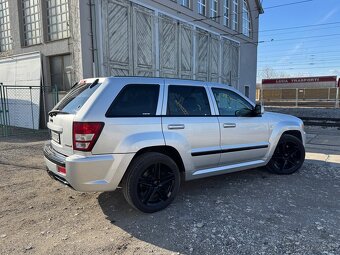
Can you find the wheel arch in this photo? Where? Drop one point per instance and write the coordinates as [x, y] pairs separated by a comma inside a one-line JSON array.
[[296, 133], [166, 150], [281, 129]]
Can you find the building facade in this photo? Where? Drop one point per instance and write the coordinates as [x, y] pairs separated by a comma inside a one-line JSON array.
[[208, 40], [301, 82]]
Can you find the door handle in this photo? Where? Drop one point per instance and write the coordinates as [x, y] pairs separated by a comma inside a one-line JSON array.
[[176, 126], [229, 125]]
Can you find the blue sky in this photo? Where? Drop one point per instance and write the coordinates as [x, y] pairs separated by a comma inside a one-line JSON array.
[[319, 54]]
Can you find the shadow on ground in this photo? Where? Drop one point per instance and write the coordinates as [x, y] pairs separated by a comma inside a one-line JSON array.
[[240, 213]]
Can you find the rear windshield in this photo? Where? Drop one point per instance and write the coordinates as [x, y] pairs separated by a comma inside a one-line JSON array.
[[76, 98]]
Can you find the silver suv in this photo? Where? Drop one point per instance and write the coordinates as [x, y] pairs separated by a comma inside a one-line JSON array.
[[146, 134]]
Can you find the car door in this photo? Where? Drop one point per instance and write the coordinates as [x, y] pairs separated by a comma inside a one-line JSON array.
[[190, 127], [243, 139]]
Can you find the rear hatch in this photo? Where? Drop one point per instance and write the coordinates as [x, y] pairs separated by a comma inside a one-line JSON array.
[[62, 115]]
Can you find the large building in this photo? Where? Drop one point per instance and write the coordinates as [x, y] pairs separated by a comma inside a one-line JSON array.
[[57, 42]]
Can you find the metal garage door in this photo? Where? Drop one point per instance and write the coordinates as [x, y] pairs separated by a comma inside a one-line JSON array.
[[168, 46], [234, 56], [118, 53], [141, 42], [144, 43], [129, 45], [186, 40], [214, 60], [202, 49]]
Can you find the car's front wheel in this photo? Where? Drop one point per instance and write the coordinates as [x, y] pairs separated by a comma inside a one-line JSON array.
[[288, 157], [151, 183]]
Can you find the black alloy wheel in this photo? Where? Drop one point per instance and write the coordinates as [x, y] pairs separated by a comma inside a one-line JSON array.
[[152, 182], [288, 157]]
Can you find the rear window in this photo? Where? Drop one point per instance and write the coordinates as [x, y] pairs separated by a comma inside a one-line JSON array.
[[135, 100], [76, 98]]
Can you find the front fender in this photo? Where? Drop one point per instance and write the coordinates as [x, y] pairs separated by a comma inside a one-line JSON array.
[[277, 130]]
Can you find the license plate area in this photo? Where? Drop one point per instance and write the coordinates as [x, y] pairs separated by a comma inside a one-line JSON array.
[[55, 136]]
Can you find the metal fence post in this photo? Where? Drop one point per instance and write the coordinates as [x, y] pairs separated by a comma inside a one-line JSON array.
[[296, 97], [30, 88], [2, 111]]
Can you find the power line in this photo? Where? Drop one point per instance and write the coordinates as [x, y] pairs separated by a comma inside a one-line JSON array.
[[303, 68], [307, 65], [304, 48], [304, 61], [304, 26], [253, 10], [306, 30], [288, 4], [297, 38], [310, 53]]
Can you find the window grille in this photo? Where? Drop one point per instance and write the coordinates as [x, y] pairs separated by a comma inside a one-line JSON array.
[[57, 19], [5, 28], [214, 9], [31, 22], [246, 24], [234, 24], [202, 5]]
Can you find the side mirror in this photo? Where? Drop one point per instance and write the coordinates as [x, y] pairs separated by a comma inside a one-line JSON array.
[[259, 110]]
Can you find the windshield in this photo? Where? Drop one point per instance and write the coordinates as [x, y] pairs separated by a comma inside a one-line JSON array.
[[76, 98]]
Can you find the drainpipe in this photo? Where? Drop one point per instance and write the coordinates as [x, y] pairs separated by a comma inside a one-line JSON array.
[[93, 35]]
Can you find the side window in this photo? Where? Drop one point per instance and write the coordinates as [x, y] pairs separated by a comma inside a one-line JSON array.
[[187, 101], [228, 102], [135, 100]]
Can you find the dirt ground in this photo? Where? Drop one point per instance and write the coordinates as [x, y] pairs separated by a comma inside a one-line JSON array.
[[250, 212]]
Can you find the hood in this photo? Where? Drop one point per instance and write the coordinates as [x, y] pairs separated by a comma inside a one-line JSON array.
[[282, 117]]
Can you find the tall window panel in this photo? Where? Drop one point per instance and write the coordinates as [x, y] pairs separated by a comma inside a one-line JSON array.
[[185, 3], [234, 15], [226, 19], [246, 24], [5, 29], [213, 9], [202, 7], [57, 19], [31, 22]]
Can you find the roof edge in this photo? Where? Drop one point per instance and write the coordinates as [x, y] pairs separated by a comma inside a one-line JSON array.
[[259, 5]]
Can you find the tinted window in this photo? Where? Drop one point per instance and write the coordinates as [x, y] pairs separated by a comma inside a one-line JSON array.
[[187, 101], [228, 102], [135, 100], [76, 98]]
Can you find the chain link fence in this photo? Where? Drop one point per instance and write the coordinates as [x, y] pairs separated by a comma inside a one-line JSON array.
[[299, 97], [24, 109]]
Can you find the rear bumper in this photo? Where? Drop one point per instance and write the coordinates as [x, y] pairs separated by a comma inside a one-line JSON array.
[[87, 173]]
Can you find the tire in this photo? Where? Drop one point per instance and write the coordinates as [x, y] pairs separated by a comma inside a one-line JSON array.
[[288, 156], [151, 182]]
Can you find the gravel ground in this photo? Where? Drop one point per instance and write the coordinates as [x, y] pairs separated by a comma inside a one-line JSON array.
[[307, 112], [250, 212]]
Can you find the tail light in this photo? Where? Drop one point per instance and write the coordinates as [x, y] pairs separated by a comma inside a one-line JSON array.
[[61, 170], [85, 135]]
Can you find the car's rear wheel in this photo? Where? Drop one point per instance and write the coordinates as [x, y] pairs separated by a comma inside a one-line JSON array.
[[152, 182], [288, 157]]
